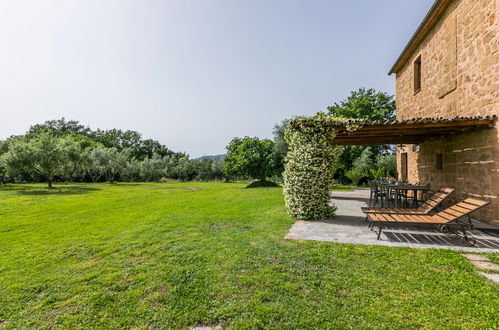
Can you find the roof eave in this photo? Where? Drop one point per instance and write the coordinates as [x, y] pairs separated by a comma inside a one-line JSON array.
[[431, 18], [408, 131]]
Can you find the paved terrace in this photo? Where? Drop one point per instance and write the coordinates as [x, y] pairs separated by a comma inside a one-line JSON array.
[[349, 226]]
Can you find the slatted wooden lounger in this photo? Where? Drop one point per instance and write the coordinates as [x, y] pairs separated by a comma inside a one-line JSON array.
[[427, 207], [446, 219]]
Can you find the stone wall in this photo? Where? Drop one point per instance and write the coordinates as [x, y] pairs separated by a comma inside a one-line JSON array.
[[460, 77], [470, 164]]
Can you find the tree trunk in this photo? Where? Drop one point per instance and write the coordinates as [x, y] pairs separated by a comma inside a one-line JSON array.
[[50, 184]]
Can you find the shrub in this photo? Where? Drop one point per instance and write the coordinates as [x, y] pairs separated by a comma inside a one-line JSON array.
[[355, 175], [377, 173], [167, 180]]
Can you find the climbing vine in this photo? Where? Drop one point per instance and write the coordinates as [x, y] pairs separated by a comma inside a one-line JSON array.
[[308, 174]]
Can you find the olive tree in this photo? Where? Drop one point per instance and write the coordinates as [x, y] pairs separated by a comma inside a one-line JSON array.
[[210, 169], [388, 163], [132, 170], [110, 162], [44, 155], [78, 155], [152, 168], [3, 168], [3, 164], [91, 168], [184, 169], [364, 163]]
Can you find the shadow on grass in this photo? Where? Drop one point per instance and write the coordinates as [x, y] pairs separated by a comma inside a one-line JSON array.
[[126, 184], [262, 184], [179, 188], [56, 190]]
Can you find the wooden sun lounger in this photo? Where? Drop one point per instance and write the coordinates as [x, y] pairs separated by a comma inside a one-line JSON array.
[[427, 207], [445, 219]]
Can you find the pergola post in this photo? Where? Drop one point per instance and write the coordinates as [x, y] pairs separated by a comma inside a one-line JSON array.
[[308, 174]]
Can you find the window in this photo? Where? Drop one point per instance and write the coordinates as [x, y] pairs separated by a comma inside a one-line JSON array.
[[417, 75], [403, 166], [439, 162]]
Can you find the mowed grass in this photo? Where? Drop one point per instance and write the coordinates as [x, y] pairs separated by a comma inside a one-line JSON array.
[[170, 256]]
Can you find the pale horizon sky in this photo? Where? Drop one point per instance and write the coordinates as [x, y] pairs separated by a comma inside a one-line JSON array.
[[193, 74]]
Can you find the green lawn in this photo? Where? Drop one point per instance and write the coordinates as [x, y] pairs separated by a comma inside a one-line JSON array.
[[154, 255], [342, 187]]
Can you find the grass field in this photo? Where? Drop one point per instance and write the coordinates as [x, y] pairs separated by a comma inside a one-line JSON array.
[[181, 255]]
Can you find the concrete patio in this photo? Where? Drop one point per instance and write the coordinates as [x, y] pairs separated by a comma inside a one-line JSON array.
[[349, 226]]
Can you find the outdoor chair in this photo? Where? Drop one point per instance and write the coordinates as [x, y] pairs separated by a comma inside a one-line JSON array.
[[427, 207], [384, 195], [425, 193], [446, 220], [374, 195], [414, 198]]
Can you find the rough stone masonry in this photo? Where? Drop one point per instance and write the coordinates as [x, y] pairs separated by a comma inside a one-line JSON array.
[[459, 77]]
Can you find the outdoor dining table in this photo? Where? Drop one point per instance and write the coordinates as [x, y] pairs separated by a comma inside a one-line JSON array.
[[397, 191]]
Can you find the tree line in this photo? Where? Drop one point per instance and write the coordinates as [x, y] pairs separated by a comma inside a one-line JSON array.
[[61, 150], [263, 158]]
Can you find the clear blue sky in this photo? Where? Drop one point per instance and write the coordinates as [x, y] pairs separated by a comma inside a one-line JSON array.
[[193, 74]]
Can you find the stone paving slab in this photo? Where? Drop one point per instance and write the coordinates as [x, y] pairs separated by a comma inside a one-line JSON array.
[[492, 277], [475, 257], [481, 262], [349, 226]]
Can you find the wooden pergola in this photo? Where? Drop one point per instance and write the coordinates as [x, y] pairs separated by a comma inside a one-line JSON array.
[[411, 131]]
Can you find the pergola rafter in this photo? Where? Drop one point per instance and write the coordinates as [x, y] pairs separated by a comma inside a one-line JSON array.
[[412, 131]]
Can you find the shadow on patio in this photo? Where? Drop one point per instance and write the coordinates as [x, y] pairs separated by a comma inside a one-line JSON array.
[[349, 226]]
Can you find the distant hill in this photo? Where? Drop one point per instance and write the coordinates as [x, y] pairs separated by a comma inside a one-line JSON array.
[[211, 157]]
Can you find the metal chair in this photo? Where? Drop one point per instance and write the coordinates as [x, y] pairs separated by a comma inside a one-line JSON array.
[[414, 200], [425, 193], [384, 195], [373, 194]]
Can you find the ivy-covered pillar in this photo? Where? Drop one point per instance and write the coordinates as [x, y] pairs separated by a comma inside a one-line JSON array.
[[308, 174]]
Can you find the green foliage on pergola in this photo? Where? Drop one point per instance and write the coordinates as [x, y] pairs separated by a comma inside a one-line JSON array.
[[309, 164]]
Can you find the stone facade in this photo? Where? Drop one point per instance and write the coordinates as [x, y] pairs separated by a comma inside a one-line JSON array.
[[460, 77]]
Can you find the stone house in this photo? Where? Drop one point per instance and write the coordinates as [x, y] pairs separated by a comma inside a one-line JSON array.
[[449, 69]]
